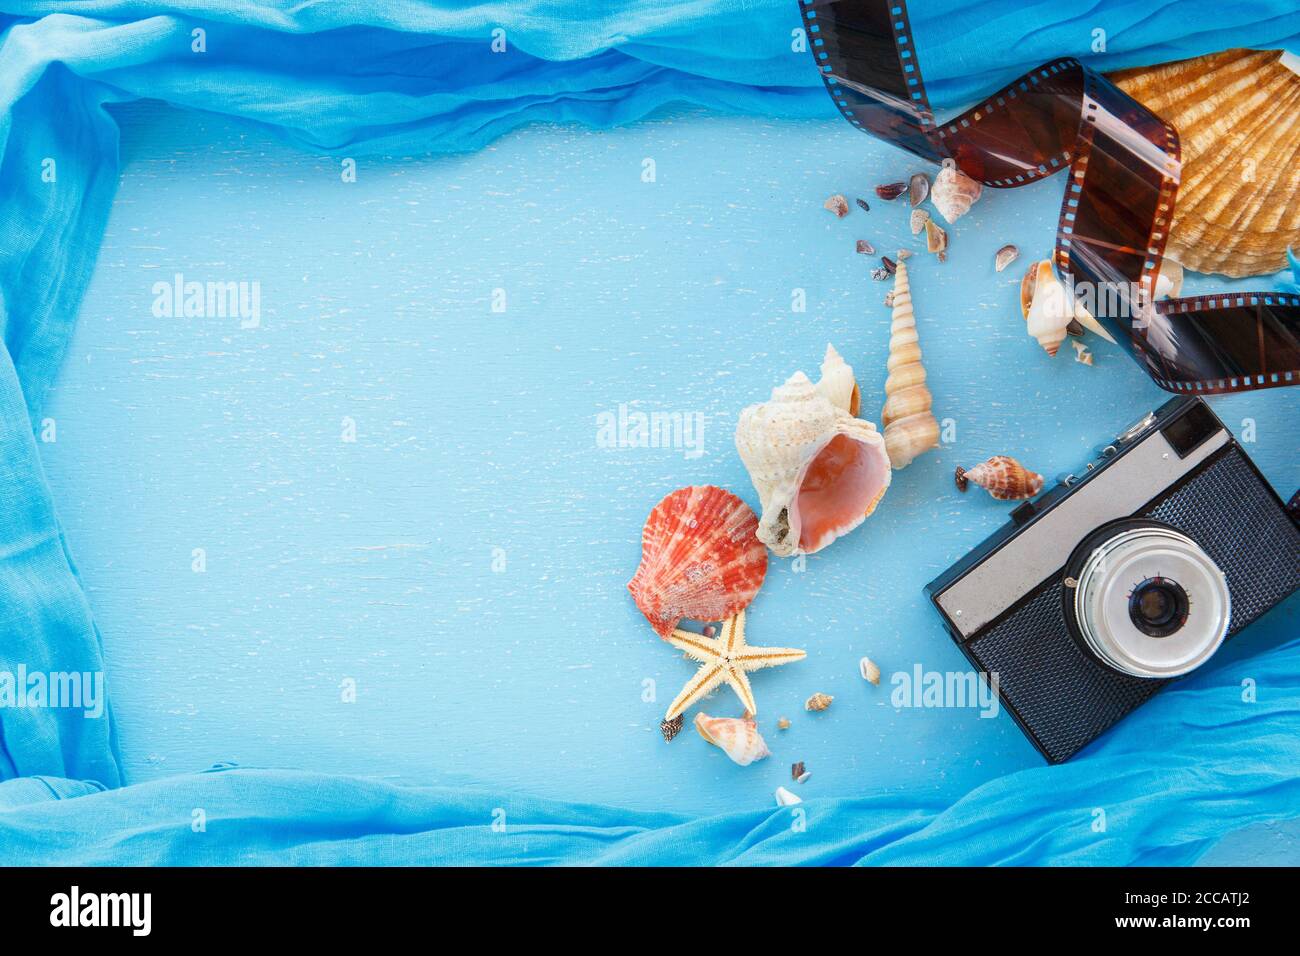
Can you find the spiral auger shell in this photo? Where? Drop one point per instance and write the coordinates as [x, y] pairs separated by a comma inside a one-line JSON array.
[[910, 428]]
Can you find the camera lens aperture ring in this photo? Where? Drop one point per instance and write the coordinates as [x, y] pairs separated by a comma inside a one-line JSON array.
[[1158, 606]]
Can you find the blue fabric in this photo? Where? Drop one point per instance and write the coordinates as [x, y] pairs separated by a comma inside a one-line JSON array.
[[1223, 763], [405, 77]]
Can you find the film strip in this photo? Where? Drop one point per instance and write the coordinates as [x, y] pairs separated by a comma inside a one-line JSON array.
[[1123, 165]]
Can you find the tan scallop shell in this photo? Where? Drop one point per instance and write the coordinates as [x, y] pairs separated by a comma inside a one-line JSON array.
[[818, 470], [1238, 119]]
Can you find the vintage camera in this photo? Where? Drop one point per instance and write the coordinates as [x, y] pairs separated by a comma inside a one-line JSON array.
[[1123, 577]]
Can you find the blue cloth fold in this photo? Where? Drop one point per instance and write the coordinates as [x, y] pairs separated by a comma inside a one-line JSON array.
[[408, 78], [1224, 761]]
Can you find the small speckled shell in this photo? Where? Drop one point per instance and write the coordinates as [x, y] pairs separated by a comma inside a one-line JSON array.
[[1002, 477]]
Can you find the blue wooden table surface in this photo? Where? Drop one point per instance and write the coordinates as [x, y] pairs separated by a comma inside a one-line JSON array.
[[461, 564]]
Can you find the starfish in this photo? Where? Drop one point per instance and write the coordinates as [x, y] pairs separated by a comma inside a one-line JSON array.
[[724, 659]]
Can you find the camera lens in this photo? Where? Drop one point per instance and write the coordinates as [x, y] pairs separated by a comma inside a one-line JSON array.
[[1158, 607], [1147, 600]]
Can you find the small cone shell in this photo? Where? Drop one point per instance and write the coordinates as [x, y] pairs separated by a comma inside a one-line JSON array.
[[909, 426], [1002, 477], [1238, 119]]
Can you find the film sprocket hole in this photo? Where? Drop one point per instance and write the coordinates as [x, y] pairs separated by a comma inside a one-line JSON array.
[[1123, 577]]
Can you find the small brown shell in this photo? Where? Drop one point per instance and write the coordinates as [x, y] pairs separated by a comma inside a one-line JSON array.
[[838, 205], [865, 248], [891, 190], [1005, 256], [796, 770], [1002, 477], [818, 701], [783, 723], [918, 188]]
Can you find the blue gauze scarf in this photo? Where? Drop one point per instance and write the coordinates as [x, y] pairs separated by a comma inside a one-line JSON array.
[[403, 77]]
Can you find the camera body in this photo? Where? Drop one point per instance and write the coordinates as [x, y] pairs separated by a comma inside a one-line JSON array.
[[1113, 582]]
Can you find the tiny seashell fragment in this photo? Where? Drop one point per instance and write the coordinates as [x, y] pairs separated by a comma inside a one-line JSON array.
[[1005, 256], [1002, 477], [803, 777], [818, 701], [889, 299], [783, 723], [784, 798], [1081, 353], [796, 770], [870, 672], [866, 248], [880, 275], [891, 190], [936, 240], [671, 728], [838, 205], [918, 188], [919, 218], [890, 265], [862, 204]]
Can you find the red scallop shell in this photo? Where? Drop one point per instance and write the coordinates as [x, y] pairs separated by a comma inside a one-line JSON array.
[[700, 558]]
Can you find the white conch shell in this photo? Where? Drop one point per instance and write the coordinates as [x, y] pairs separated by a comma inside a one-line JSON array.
[[819, 472], [737, 737], [953, 193], [1048, 308], [910, 427]]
